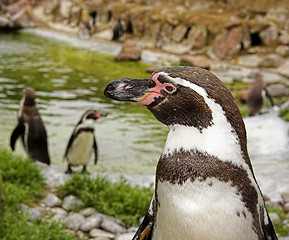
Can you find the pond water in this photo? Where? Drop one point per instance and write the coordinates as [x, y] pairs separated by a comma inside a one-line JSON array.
[[69, 80]]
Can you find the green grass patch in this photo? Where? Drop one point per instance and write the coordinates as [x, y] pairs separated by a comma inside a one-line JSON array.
[[284, 114], [23, 183], [280, 228], [116, 199]]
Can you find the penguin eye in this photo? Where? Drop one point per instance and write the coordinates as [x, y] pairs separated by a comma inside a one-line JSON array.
[[170, 88]]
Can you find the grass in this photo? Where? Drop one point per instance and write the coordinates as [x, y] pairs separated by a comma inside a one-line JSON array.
[[23, 183], [116, 199], [280, 227], [284, 114]]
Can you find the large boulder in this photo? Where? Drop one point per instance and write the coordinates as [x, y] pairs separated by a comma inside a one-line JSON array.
[[129, 52]]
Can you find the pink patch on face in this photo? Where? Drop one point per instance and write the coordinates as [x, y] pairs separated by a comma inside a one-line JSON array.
[[153, 93]]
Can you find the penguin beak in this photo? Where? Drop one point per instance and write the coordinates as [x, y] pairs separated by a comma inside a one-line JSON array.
[[128, 89]]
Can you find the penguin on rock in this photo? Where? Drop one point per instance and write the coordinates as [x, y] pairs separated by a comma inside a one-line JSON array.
[[205, 186], [31, 129], [82, 142]]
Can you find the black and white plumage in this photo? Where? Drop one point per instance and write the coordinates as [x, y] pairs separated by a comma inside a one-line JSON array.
[[31, 129], [205, 186], [118, 30], [82, 141]]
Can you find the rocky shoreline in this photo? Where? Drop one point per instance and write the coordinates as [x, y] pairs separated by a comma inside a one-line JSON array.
[[87, 223]]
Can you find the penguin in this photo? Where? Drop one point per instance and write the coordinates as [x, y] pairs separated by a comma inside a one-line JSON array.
[[205, 186], [118, 30], [31, 129], [257, 94], [82, 142]]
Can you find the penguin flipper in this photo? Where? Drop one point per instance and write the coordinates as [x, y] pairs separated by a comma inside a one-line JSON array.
[[69, 144], [17, 132], [95, 150], [268, 230], [144, 231]]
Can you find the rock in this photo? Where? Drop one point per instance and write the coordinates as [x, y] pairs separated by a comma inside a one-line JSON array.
[[278, 16], [4, 21], [52, 200], [283, 238], [228, 43], [284, 39], [251, 60], [271, 61], [64, 9], [197, 61], [97, 233], [112, 226], [274, 217], [129, 52], [125, 236], [86, 212], [90, 223], [175, 48], [59, 214], [285, 197], [80, 235], [282, 50], [23, 208], [35, 214], [283, 70], [197, 37], [278, 90], [269, 35], [70, 203], [152, 69], [179, 33], [74, 221], [285, 106], [233, 22]]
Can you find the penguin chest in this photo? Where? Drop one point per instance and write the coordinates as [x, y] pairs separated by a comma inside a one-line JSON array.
[[201, 210], [81, 149]]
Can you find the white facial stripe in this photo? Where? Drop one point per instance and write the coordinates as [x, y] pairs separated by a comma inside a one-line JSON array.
[[219, 139]]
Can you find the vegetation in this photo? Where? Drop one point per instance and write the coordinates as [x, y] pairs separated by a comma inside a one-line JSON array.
[[23, 183], [116, 199], [281, 227], [284, 114]]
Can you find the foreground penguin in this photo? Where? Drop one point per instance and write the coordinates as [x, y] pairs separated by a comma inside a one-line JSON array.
[[31, 129], [205, 186], [82, 142]]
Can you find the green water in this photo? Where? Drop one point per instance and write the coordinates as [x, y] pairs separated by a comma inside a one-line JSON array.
[[69, 80]]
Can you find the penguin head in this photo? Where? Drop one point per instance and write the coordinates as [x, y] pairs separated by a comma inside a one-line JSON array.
[[28, 96], [177, 95], [91, 114]]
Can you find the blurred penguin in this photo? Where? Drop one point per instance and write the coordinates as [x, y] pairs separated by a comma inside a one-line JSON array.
[[257, 94], [82, 142], [31, 129], [118, 30]]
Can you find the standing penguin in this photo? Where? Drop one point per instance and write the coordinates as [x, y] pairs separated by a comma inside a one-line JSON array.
[[257, 94], [31, 129], [82, 142], [118, 30], [205, 186]]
